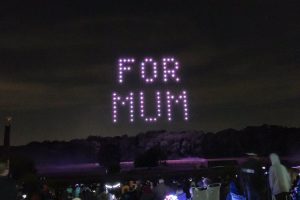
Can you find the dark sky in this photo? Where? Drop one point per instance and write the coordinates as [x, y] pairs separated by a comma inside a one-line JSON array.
[[240, 63]]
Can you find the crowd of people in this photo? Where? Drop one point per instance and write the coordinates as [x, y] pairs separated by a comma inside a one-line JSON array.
[[257, 183], [252, 181], [136, 190]]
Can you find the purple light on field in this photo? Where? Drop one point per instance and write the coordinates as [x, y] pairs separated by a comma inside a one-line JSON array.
[[123, 102]]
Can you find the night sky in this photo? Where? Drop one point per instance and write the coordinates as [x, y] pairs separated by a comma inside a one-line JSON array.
[[58, 60]]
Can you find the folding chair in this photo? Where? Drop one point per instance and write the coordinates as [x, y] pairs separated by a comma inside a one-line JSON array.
[[213, 191], [199, 194]]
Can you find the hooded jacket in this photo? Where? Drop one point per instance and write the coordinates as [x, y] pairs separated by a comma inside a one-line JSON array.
[[279, 178]]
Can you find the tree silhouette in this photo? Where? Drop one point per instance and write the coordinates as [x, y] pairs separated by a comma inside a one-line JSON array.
[[150, 158], [109, 156]]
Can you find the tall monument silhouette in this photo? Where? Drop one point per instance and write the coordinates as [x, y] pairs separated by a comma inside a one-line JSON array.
[[6, 141]]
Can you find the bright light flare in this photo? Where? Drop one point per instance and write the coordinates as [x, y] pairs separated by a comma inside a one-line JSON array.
[[171, 197]]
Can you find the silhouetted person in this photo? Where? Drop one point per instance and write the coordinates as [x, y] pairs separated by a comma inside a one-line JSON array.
[[102, 194], [186, 189], [87, 194], [297, 190], [68, 193], [252, 178], [45, 194], [181, 195], [146, 192], [279, 179], [161, 190], [8, 190], [125, 194]]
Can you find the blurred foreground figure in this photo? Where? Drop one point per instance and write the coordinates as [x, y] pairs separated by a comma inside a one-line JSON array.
[[252, 178], [234, 192], [8, 190], [297, 190], [279, 179], [161, 190], [146, 191]]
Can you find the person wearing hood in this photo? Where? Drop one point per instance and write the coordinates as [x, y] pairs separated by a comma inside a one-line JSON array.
[[279, 179]]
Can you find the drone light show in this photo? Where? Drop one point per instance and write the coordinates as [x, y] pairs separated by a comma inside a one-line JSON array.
[[162, 73]]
